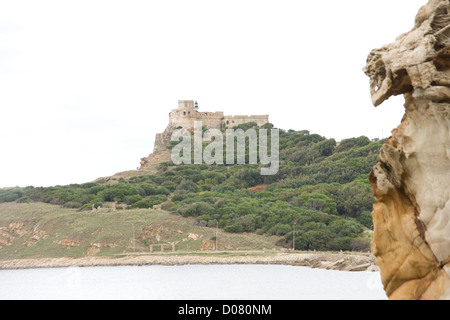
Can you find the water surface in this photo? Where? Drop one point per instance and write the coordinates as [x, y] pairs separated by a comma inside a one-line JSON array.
[[216, 282]]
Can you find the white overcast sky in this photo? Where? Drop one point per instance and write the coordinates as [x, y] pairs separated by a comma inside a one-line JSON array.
[[86, 85]]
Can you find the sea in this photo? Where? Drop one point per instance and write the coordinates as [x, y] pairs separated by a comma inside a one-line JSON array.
[[189, 282]]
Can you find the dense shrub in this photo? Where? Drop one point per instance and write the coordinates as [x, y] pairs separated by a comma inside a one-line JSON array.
[[10, 195], [132, 199], [73, 205]]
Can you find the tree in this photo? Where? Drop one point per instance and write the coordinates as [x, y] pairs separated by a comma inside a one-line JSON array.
[[318, 202], [345, 227], [354, 199]]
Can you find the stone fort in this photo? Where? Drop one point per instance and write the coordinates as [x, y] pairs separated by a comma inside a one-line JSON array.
[[188, 112]]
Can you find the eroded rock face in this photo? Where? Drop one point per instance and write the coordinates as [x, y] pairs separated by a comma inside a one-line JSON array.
[[411, 180]]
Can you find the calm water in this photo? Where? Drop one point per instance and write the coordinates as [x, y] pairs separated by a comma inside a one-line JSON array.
[[215, 282]]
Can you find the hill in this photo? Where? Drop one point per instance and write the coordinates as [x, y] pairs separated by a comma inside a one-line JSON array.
[[40, 230], [320, 198]]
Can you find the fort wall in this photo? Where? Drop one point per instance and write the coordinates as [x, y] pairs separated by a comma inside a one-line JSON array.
[[231, 121]]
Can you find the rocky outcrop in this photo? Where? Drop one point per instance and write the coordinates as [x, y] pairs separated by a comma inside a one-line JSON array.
[[208, 245], [95, 248], [19, 229], [154, 160], [411, 180]]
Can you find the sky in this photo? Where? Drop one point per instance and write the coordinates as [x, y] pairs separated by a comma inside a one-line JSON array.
[[86, 85]]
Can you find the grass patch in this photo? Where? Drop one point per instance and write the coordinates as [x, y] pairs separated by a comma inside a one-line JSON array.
[[39, 230]]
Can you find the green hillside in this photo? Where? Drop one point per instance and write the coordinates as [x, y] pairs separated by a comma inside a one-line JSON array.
[[320, 197]]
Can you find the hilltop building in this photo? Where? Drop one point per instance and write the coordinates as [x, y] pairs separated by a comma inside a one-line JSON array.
[[188, 112]]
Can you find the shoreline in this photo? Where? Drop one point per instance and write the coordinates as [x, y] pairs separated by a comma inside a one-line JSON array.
[[329, 261]]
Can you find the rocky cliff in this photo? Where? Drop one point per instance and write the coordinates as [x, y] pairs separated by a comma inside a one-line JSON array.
[[411, 180]]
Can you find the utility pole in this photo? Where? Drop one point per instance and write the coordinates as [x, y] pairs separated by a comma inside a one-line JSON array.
[[217, 235], [293, 239], [134, 238], [293, 235]]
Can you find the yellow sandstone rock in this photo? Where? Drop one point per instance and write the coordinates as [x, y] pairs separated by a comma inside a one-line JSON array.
[[411, 180]]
